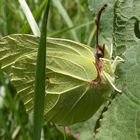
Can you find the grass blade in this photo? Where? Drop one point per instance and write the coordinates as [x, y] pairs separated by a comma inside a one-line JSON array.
[[66, 17], [40, 79], [30, 17], [36, 14]]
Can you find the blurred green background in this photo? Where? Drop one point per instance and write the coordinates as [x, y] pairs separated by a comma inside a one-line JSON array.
[[69, 19]]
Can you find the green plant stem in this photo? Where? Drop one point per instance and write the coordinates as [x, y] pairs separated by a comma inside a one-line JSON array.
[[65, 137], [36, 14], [92, 35], [40, 79], [29, 17], [66, 17]]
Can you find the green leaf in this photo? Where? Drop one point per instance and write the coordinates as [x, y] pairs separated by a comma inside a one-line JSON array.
[[40, 79], [71, 67], [121, 121], [86, 128]]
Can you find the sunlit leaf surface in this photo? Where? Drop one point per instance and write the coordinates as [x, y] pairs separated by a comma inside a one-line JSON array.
[[122, 121]]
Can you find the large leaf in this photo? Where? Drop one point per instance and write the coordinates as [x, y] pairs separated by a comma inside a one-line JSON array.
[[86, 128], [122, 121], [71, 67]]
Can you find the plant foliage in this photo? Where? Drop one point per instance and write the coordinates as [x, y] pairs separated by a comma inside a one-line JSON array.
[[121, 121]]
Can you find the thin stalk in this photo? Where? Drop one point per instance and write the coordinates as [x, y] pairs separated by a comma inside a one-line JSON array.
[[53, 34], [36, 14], [65, 137], [66, 17], [40, 79], [29, 17], [92, 34]]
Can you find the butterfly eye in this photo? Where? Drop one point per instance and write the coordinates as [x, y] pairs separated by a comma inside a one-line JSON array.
[[100, 52]]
